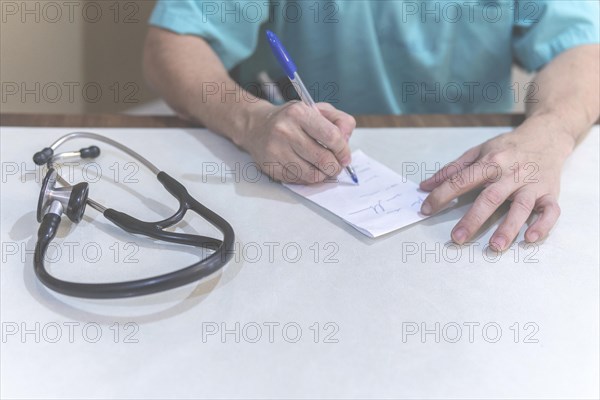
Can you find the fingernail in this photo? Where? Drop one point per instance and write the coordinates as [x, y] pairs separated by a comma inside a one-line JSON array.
[[346, 161], [499, 243], [534, 237], [426, 208], [460, 235]]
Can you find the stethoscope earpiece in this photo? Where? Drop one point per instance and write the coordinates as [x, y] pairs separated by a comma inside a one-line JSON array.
[[69, 200], [42, 157]]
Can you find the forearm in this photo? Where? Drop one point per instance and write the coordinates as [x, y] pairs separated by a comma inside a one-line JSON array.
[[568, 98], [191, 78]]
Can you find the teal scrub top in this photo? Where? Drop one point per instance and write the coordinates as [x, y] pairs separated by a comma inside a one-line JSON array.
[[389, 56]]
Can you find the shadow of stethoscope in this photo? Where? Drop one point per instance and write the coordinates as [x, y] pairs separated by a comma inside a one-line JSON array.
[[79, 309]]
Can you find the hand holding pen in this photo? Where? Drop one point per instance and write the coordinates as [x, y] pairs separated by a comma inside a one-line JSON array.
[[290, 68]]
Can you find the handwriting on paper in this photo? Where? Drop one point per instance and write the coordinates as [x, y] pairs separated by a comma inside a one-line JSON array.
[[383, 202]]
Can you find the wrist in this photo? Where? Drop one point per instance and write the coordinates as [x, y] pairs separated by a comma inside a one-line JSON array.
[[246, 118], [551, 130]]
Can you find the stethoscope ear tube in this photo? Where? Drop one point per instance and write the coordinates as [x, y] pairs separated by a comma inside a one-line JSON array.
[[202, 269]]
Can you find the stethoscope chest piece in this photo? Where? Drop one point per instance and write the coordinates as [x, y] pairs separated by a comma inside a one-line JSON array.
[[70, 200]]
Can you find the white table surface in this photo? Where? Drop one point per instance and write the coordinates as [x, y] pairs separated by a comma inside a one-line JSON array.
[[363, 293]]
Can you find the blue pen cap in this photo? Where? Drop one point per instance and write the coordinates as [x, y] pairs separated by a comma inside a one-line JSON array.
[[281, 54]]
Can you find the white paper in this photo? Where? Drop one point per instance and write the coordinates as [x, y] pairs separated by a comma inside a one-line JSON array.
[[382, 202]]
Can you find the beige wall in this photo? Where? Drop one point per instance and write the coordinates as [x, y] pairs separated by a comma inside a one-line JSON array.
[[79, 56], [72, 56]]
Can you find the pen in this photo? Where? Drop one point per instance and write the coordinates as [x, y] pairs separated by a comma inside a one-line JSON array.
[[291, 71]]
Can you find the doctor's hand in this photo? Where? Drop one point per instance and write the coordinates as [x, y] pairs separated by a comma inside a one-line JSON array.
[[296, 144], [522, 166]]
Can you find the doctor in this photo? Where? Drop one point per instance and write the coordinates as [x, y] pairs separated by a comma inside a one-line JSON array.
[[392, 57]]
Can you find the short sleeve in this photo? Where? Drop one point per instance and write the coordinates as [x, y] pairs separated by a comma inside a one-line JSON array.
[[231, 27], [545, 28]]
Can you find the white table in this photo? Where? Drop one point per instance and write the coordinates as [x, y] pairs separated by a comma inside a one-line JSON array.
[[364, 297]]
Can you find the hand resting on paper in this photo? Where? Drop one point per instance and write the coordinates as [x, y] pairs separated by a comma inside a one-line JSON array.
[[527, 161], [514, 166]]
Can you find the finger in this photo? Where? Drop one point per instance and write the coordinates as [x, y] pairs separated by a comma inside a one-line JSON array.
[[321, 130], [520, 210], [548, 209], [460, 183], [484, 206], [307, 175], [345, 122], [451, 169], [297, 171], [318, 156]]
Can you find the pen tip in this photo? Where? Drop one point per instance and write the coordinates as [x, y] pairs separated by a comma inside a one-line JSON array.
[[355, 179]]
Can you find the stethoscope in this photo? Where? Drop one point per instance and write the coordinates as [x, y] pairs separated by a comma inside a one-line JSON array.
[[72, 200]]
